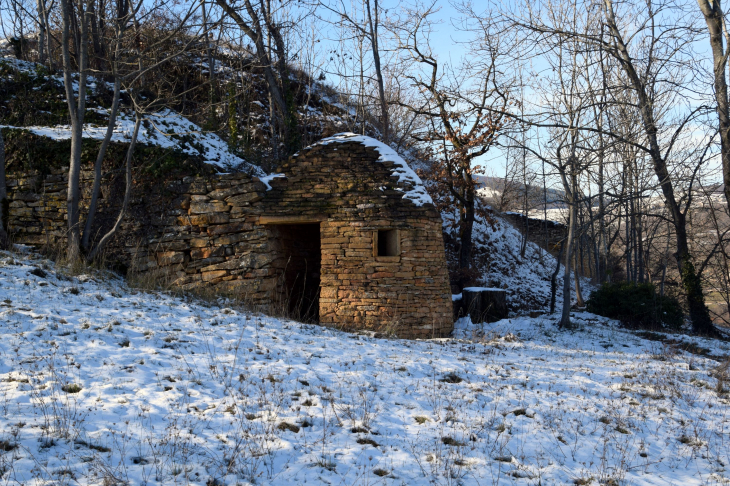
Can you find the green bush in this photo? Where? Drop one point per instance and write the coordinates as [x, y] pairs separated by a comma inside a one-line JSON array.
[[636, 305]]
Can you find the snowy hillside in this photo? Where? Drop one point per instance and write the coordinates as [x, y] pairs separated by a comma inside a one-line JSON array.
[[106, 385], [234, 136], [527, 279]]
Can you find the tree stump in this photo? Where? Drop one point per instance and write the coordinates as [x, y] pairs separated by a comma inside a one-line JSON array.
[[484, 304], [457, 302]]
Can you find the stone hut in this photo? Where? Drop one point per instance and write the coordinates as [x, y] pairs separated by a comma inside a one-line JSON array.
[[344, 235]]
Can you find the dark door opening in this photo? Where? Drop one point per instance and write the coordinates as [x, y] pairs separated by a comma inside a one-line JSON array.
[[299, 258]]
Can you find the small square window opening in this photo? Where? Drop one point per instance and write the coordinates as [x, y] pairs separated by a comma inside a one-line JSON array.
[[388, 243]]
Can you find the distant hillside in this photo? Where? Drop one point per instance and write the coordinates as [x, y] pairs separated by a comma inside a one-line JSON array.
[[502, 196]]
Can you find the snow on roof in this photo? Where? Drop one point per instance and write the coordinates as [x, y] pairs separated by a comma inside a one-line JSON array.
[[165, 129], [415, 190]]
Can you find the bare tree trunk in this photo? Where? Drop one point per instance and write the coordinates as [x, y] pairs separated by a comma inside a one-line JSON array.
[[565, 316], [4, 242], [578, 293], [554, 278], [373, 24], [640, 266], [96, 189], [49, 44], [591, 254], [664, 264], [211, 62], [602, 256], [580, 258], [127, 192], [466, 230], [362, 105], [41, 32], [525, 199], [627, 230], [712, 11], [544, 216], [97, 59], [700, 315], [77, 110]]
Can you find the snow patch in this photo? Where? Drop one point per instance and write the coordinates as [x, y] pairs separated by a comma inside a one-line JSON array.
[[165, 129], [267, 179], [480, 289]]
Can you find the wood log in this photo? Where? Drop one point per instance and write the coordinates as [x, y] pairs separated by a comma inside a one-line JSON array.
[[484, 304]]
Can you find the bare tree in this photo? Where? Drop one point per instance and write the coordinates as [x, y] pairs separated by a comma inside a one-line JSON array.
[[258, 21], [42, 27], [465, 119], [127, 67], [77, 112], [366, 23], [645, 87], [651, 47], [127, 191], [122, 18]]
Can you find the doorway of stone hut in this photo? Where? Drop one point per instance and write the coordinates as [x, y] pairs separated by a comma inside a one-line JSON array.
[[298, 259]]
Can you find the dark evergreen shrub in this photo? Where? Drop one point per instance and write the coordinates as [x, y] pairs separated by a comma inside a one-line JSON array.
[[636, 305]]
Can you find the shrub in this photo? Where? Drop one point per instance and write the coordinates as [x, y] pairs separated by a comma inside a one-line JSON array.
[[636, 305]]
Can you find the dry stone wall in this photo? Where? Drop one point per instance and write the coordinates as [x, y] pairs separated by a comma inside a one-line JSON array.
[[226, 232], [546, 234]]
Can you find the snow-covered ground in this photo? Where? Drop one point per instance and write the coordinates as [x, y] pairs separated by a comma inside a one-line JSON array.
[[101, 384]]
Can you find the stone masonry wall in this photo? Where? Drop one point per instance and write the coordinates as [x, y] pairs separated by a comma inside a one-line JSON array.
[[546, 234], [219, 231], [354, 196]]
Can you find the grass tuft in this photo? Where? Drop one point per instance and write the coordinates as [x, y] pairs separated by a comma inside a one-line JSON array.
[[71, 388], [452, 378], [287, 426], [365, 441]]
